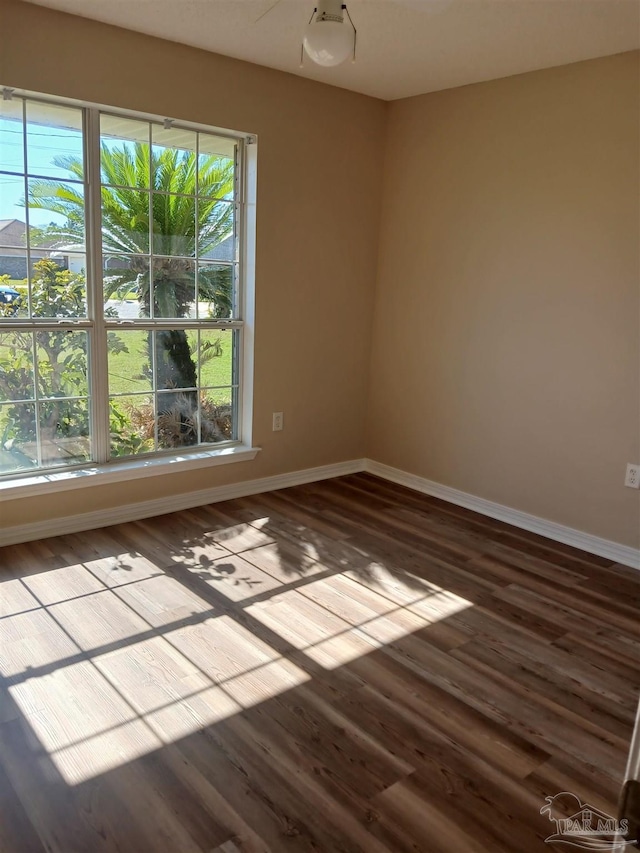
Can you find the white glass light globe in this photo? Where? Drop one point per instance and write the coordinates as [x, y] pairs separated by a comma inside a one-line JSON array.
[[328, 42]]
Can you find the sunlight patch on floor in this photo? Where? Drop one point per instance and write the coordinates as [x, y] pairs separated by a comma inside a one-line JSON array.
[[117, 569], [184, 717], [105, 751], [55, 585], [71, 704], [318, 618], [265, 682], [162, 600], [94, 715], [15, 598], [32, 639], [115, 658]]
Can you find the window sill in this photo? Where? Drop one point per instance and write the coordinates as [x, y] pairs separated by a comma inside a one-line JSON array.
[[117, 472]]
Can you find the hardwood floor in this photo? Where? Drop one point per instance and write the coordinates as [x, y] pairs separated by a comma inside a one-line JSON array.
[[344, 666]]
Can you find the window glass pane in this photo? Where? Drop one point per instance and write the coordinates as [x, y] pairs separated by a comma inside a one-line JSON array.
[[18, 437], [174, 160], [170, 362], [130, 368], [13, 217], [215, 357], [56, 215], [176, 379], [62, 363], [14, 289], [54, 140], [13, 242], [125, 281], [57, 291], [216, 165], [174, 287], [132, 424], [68, 261], [64, 432], [47, 434], [216, 230], [124, 155], [174, 225], [125, 221], [16, 366], [182, 416], [216, 291], [219, 396], [11, 136], [217, 415], [174, 360], [51, 426], [178, 418]]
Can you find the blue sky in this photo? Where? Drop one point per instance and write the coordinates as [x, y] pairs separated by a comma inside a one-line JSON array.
[[45, 140], [53, 130]]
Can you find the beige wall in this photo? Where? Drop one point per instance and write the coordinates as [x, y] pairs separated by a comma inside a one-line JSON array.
[[320, 157], [505, 357], [506, 349]]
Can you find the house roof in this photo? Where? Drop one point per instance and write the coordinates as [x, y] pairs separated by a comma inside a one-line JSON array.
[[4, 223], [12, 232]]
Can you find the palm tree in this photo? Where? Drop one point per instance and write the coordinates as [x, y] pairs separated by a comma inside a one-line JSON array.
[[175, 222]]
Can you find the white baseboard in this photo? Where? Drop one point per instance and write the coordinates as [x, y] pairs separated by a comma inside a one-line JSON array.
[[567, 535], [146, 509], [131, 512]]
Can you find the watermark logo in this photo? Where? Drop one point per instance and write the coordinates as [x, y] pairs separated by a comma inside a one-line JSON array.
[[581, 825]]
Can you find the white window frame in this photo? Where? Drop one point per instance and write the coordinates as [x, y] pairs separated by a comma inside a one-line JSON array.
[[105, 470]]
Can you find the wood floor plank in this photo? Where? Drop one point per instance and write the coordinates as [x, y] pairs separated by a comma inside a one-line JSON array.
[[48, 802], [340, 667], [544, 727], [563, 773], [482, 813], [512, 637], [299, 784], [595, 711], [584, 616], [227, 847], [399, 712], [238, 793], [16, 830], [611, 658]]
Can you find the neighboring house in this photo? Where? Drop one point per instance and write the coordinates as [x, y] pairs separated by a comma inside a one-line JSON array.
[[12, 237], [224, 251], [13, 249]]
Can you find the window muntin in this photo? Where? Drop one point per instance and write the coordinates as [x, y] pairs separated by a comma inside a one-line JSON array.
[[155, 366]]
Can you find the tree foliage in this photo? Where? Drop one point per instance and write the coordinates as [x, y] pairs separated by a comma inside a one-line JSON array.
[[60, 380], [174, 223], [171, 223]]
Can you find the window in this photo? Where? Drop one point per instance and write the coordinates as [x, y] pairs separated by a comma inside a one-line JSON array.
[[121, 287]]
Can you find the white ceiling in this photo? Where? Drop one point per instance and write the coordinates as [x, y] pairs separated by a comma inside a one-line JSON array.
[[405, 47]]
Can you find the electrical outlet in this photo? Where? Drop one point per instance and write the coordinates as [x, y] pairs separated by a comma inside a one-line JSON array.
[[278, 421], [633, 476]]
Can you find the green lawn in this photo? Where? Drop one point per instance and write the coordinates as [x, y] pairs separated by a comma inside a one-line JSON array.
[[126, 367]]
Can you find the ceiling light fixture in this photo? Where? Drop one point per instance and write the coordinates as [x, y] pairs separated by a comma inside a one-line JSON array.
[[328, 39]]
